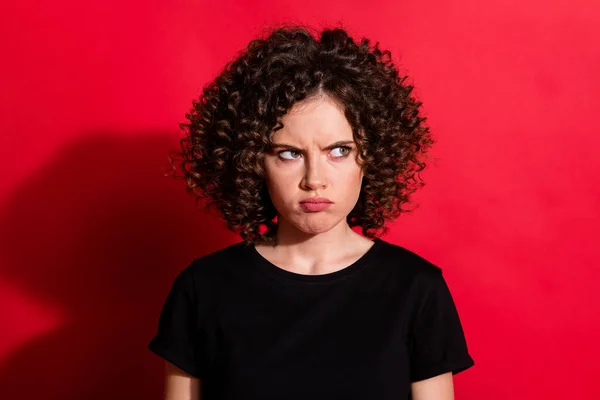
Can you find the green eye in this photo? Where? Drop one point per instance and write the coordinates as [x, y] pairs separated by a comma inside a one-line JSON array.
[[341, 151], [289, 154]]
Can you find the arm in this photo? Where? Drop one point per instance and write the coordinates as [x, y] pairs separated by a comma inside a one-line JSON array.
[[179, 385], [440, 387], [437, 345]]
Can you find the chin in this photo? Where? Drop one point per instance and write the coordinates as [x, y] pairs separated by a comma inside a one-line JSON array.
[[315, 226]]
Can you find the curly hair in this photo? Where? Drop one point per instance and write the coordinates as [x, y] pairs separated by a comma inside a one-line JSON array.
[[231, 124]]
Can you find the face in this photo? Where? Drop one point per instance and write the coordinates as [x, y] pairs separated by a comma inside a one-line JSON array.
[[314, 155]]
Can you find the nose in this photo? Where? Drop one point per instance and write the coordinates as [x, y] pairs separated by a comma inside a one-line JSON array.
[[314, 174]]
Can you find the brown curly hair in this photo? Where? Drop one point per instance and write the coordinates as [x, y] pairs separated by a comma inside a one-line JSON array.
[[230, 126]]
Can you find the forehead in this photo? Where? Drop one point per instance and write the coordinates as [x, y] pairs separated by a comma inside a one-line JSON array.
[[318, 119]]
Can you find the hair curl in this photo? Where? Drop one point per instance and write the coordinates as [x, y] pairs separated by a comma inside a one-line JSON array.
[[231, 123]]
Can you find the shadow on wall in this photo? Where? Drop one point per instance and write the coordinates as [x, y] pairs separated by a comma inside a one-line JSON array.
[[100, 233]]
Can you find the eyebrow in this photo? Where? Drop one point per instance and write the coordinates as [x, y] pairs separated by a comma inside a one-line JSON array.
[[331, 146]]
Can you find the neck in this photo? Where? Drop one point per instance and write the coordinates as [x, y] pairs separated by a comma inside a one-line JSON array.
[[301, 245]]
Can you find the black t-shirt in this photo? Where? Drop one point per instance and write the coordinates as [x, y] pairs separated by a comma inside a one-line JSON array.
[[251, 330]]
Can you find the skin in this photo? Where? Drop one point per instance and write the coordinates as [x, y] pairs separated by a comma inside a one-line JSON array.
[[440, 387], [180, 385], [307, 161]]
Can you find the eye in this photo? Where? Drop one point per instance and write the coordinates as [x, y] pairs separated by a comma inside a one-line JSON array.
[[341, 151], [289, 154]]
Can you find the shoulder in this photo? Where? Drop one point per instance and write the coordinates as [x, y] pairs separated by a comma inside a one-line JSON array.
[[412, 273], [203, 274], [217, 257], [423, 284], [215, 261], [408, 262]]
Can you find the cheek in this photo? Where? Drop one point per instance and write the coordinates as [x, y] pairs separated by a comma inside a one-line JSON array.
[[281, 172], [278, 183], [352, 175], [352, 183]]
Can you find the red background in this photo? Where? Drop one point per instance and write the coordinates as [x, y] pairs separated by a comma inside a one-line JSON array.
[[92, 234]]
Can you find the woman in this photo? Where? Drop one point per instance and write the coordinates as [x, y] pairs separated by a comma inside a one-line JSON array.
[[295, 143]]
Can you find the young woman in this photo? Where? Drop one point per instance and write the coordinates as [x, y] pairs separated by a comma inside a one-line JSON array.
[[301, 138]]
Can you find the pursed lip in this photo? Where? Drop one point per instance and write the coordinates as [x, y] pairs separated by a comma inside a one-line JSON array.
[[316, 200]]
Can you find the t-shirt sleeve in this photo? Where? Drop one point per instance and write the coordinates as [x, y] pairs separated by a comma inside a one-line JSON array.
[[437, 342], [179, 338]]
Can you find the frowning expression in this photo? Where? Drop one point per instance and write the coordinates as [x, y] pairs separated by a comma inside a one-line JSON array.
[[314, 156]]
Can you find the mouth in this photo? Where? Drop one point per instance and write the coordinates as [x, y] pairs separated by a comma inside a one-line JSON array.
[[315, 204]]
